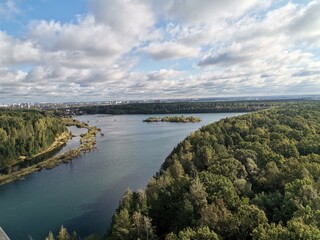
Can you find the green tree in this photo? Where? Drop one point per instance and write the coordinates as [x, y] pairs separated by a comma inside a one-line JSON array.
[[201, 233], [121, 225], [247, 218], [272, 231], [50, 236], [63, 234]]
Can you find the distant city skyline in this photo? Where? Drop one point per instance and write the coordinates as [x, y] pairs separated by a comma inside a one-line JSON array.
[[102, 50]]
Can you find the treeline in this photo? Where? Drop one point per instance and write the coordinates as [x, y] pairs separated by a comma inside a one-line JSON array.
[[255, 176], [24, 133], [65, 235], [180, 107]]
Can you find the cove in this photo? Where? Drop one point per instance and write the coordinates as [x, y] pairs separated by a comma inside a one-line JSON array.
[[84, 194]]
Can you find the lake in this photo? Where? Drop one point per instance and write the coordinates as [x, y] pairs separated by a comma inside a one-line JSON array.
[[84, 194]]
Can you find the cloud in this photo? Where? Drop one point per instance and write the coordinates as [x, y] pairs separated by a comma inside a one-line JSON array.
[[15, 51], [130, 17], [305, 73], [101, 37], [305, 26], [222, 58], [243, 53], [85, 43], [163, 74], [170, 50], [203, 11], [232, 47]]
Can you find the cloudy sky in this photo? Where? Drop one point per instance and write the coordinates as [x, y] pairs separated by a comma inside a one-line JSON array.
[[86, 50]]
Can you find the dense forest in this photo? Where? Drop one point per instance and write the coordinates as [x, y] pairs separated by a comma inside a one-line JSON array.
[[24, 133], [181, 107], [255, 176]]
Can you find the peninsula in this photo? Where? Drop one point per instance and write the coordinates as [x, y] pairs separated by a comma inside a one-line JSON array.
[[48, 133]]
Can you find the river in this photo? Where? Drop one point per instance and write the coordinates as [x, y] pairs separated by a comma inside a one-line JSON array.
[[84, 194]]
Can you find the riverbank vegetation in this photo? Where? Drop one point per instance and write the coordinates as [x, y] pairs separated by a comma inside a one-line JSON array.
[[24, 134], [20, 131], [178, 119], [65, 235], [254, 176]]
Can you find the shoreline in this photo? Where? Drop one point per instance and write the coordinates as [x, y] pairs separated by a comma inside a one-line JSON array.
[[87, 143]]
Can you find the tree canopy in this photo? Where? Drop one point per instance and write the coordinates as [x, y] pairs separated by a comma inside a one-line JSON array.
[[182, 107], [178, 119], [24, 133], [254, 176]]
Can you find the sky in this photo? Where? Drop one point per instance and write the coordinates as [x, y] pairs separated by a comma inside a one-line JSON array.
[[92, 50]]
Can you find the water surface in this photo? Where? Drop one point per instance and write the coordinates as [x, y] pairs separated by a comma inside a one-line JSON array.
[[75, 141], [84, 194]]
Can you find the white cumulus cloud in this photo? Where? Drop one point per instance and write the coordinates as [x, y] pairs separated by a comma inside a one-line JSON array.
[[245, 47], [171, 50]]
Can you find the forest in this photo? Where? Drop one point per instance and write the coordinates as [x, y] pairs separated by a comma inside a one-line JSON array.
[[25, 133], [181, 107], [254, 176]]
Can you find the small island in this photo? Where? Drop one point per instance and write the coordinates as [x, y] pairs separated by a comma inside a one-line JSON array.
[[177, 119]]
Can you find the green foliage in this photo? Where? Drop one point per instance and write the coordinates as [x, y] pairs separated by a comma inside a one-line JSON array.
[[64, 235], [272, 231], [219, 187], [26, 133], [50, 236], [255, 176], [92, 237], [130, 222], [190, 234], [179, 119], [295, 230], [183, 107], [245, 220], [121, 225]]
